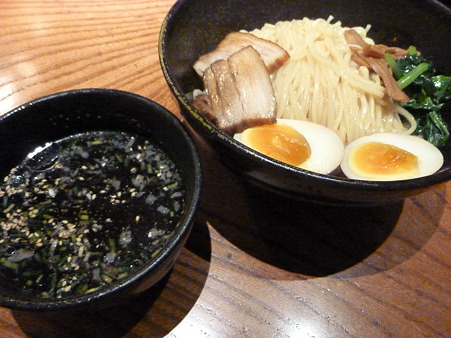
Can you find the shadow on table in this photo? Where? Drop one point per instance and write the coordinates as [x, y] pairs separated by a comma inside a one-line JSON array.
[[153, 313], [311, 239], [317, 240]]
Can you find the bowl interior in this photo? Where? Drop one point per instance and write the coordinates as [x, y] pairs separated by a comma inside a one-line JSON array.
[[194, 27], [64, 114]]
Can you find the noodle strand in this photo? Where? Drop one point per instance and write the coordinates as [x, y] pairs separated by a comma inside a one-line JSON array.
[[321, 84]]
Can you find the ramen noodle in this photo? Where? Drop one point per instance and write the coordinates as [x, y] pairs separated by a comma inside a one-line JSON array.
[[320, 83]]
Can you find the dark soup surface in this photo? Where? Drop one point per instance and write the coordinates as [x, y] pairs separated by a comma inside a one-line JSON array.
[[86, 211]]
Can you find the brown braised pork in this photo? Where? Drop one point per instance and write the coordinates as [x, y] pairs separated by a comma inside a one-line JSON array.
[[372, 57], [272, 54], [238, 92]]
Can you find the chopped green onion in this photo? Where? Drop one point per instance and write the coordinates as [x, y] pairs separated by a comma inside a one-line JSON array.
[[92, 289], [119, 158], [94, 142], [107, 279], [112, 244], [75, 230], [10, 265]]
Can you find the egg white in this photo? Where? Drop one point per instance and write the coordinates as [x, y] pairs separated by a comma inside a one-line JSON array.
[[326, 146], [430, 159]]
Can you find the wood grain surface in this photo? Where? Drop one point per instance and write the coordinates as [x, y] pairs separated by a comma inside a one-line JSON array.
[[255, 265]]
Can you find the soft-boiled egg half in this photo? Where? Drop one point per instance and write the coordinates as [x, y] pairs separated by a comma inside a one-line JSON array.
[[301, 144], [390, 157]]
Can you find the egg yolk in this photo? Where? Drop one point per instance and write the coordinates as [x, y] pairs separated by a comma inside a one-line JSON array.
[[376, 158], [279, 141]]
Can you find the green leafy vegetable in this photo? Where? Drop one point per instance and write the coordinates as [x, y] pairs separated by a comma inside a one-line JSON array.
[[412, 75], [428, 93]]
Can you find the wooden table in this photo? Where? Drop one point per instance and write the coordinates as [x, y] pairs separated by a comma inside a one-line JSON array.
[[255, 265]]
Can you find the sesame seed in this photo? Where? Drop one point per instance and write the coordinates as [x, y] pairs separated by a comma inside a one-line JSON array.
[[72, 239]]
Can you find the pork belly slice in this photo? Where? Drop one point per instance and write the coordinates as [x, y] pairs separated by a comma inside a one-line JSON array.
[[202, 104], [254, 87], [232, 109], [213, 96], [273, 55], [239, 92], [223, 104]]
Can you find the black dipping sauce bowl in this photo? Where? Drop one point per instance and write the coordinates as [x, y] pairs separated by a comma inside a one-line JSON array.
[[64, 114], [195, 27]]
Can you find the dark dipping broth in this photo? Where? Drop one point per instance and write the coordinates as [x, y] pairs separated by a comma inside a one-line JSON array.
[[86, 211]]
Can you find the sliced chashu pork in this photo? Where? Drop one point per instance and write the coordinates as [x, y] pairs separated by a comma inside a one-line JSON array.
[[239, 92], [223, 97], [254, 87], [272, 54]]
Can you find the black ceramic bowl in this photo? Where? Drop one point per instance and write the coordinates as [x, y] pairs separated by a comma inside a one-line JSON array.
[[194, 27], [64, 114]]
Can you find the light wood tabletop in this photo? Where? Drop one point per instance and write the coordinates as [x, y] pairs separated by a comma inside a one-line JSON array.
[[255, 265]]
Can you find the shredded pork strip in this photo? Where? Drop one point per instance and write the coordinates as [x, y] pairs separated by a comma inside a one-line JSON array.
[[372, 57]]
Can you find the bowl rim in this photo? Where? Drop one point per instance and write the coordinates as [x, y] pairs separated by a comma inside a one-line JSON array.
[[230, 143], [179, 236]]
